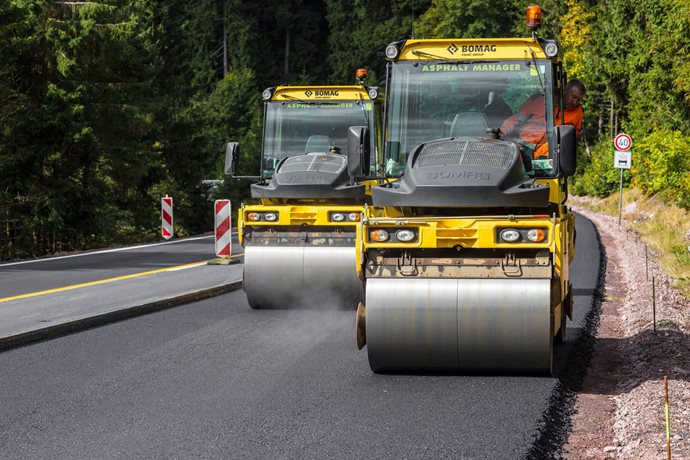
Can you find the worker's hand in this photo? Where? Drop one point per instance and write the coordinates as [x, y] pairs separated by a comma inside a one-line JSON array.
[[393, 168]]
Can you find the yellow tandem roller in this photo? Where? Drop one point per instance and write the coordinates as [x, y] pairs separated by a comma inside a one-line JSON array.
[[492, 325], [465, 266], [319, 160]]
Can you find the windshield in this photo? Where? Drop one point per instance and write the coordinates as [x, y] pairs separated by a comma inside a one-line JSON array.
[[296, 128], [434, 99]]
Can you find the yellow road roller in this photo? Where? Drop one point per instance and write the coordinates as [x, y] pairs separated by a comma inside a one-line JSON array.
[[464, 252], [319, 159]]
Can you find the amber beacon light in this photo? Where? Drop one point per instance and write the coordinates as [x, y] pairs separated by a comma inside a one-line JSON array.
[[534, 17]]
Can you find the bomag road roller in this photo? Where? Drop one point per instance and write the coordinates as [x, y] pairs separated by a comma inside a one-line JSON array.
[[319, 159], [465, 261]]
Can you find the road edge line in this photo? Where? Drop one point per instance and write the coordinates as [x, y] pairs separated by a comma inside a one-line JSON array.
[[69, 327]]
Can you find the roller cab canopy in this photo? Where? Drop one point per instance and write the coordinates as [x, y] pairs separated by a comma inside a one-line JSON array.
[[472, 49], [305, 146], [449, 105]]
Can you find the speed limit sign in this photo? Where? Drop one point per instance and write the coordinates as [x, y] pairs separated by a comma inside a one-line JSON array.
[[622, 142]]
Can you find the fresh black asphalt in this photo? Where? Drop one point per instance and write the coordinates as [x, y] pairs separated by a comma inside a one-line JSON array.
[[215, 379]]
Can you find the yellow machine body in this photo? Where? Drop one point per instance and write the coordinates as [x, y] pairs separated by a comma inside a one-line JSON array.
[[454, 296], [303, 255]]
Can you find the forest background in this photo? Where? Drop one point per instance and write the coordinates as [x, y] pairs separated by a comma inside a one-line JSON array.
[[107, 106]]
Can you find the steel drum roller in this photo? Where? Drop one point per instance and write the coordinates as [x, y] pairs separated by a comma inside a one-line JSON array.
[[459, 324], [302, 277]]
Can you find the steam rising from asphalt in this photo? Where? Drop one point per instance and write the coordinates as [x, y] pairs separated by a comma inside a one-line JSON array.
[[319, 298]]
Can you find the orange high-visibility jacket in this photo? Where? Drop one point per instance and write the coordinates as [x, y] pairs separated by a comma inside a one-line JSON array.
[[531, 123]]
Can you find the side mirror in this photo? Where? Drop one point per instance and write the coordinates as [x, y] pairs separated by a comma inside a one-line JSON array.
[[567, 149], [358, 151], [232, 155]]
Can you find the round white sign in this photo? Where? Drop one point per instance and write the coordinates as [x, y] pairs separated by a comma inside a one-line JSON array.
[[622, 142]]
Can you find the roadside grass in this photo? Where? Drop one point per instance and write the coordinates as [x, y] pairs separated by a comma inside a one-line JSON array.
[[664, 227]]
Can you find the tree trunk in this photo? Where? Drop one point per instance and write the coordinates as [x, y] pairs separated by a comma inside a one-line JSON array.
[[287, 52]]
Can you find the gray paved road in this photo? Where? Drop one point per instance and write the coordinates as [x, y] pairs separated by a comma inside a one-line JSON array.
[[216, 379], [50, 273]]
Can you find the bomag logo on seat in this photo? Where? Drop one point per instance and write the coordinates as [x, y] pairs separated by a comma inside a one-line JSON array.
[[443, 175], [322, 93], [312, 178]]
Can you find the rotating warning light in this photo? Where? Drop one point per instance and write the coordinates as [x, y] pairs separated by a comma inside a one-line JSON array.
[[361, 74], [534, 17]]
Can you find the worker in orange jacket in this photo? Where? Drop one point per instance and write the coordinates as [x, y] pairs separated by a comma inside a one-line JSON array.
[[529, 124]]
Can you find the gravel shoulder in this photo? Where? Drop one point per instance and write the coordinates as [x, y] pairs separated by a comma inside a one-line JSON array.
[[620, 410]]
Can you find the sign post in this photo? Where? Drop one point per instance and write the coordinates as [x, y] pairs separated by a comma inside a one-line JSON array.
[[223, 234], [622, 160], [167, 217]]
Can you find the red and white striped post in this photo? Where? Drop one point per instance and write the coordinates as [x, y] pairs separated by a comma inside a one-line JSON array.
[[167, 217], [223, 233]]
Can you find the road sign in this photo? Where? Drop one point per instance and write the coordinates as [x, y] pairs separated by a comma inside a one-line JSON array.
[[622, 160], [622, 142], [223, 233], [167, 217]]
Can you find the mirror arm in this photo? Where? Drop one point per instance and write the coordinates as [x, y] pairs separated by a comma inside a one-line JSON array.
[[255, 178]]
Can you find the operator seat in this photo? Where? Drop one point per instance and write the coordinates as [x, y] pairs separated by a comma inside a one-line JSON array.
[[469, 124], [318, 143]]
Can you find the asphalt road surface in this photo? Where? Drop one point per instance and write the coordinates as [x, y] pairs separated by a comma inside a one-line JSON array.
[[215, 379], [49, 273]]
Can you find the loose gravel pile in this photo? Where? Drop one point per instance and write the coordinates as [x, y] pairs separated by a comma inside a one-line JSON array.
[[620, 411]]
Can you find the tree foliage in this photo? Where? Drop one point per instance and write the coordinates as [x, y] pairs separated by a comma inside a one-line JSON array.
[[106, 106], [633, 54]]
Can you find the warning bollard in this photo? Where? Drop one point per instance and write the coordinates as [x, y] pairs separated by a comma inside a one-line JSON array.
[[167, 217], [223, 234]]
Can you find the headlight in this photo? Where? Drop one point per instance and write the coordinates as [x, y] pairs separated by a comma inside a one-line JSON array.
[[550, 49], [373, 93], [401, 235], [536, 235], [391, 51], [267, 94], [523, 235], [262, 216], [405, 235], [379, 235], [510, 235], [354, 217], [337, 217]]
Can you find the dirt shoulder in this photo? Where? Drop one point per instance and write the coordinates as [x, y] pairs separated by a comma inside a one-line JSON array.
[[620, 411]]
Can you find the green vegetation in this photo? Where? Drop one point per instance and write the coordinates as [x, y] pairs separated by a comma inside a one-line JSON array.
[[633, 56], [106, 106], [663, 227]]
